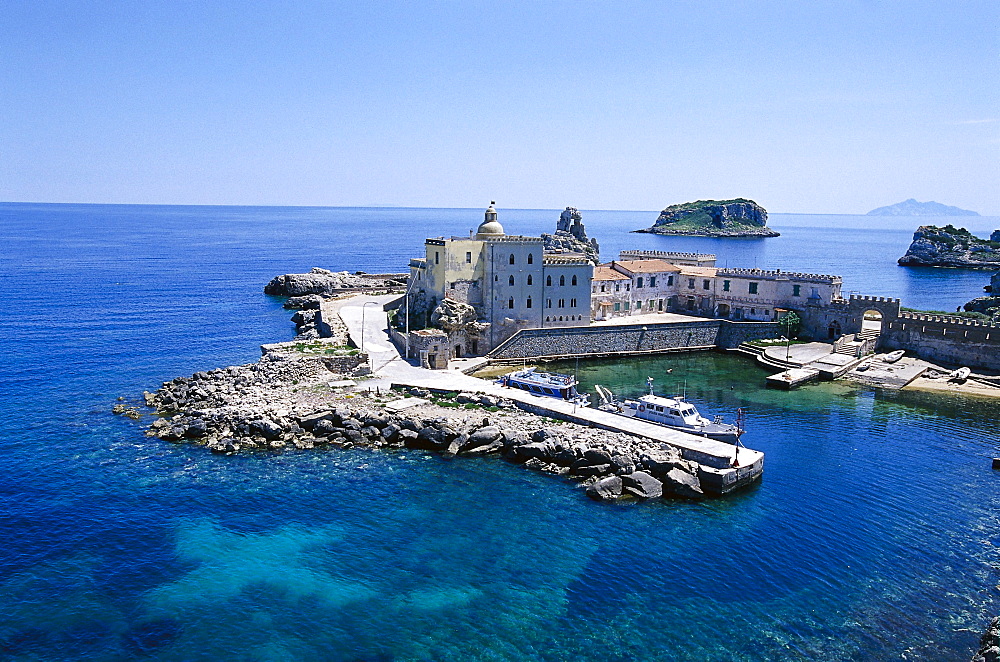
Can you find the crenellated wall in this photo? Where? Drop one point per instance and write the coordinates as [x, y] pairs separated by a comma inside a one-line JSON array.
[[844, 316], [945, 338]]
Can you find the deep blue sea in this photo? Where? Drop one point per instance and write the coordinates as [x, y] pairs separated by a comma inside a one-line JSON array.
[[873, 536]]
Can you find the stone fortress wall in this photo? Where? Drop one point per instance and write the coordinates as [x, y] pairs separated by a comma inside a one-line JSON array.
[[631, 339], [945, 338]]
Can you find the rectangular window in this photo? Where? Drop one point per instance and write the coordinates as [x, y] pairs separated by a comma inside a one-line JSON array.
[[527, 304], [796, 290], [602, 287], [618, 287], [453, 285], [725, 286], [638, 281], [670, 280], [660, 305], [690, 283], [548, 303], [752, 288], [437, 257], [706, 284], [618, 307], [638, 304], [468, 258], [652, 281], [626, 305], [572, 303]]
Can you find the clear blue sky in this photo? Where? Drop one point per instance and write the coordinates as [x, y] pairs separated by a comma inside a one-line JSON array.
[[805, 106]]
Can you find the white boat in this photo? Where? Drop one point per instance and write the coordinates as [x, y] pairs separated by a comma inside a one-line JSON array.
[[892, 357], [675, 413], [960, 375], [548, 384]]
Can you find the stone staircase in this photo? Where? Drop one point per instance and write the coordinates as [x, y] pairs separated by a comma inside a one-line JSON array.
[[858, 344]]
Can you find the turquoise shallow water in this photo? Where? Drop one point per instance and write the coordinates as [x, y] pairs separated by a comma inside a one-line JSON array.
[[873, 533]]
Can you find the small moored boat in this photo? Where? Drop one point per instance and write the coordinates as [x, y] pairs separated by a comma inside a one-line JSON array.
[[548, 384], [960, 375], [675, 413], [892, 357]]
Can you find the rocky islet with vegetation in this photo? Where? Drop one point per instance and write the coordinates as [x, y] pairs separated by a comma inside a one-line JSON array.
[[738, 217], [949, 246]]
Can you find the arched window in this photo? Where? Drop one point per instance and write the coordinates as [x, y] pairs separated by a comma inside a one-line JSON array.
[[510, 281], [531, 259], [562, 280], [574, 279], [510, 303], [548, 281], [527, 304], [496, 279], [512, 258], [529, 277]]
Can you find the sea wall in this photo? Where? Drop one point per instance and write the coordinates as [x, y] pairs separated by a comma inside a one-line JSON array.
[[631, 339], [945, 338]]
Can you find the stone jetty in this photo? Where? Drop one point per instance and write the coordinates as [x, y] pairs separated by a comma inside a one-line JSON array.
[[294, 398]]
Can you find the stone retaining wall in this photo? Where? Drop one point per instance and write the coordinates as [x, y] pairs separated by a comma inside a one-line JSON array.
[[631, 339], [944, 338]]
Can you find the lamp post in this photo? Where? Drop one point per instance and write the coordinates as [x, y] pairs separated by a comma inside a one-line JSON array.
[[366, 304], [788, 343], [409, 284]]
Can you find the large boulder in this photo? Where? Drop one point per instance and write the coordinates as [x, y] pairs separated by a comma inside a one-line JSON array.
[[683, 484], [606, 489], [525, 452], [642, 485]]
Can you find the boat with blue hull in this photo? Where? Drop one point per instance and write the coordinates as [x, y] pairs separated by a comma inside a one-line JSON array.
[[549, 384]]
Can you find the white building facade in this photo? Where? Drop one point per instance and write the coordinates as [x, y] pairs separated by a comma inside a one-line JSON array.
[[509, 280]]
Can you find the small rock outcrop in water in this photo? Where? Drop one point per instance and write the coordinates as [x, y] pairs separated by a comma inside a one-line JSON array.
[[571, 237], [713, 218], [324, 282], [913, 208], [949, 246], [987, 305], [989, 644]]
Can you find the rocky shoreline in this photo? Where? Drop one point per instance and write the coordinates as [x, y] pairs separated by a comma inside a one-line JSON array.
[[989, 643], [299, 396]]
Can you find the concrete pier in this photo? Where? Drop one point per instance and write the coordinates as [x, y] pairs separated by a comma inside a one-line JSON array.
[[725, 466]]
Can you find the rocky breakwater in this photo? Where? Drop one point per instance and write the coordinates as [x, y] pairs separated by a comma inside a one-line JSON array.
[[285, 402], [713, 218], [989, 644], [252, 406], [949, 246]]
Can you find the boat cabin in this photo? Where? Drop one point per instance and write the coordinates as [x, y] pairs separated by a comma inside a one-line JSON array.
[[668, 411]]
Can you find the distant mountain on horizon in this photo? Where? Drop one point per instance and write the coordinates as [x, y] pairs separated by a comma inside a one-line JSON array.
[[913, 208]]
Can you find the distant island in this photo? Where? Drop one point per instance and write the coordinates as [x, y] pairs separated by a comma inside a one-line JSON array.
[[949, 246], [713, 218], [913, 208]]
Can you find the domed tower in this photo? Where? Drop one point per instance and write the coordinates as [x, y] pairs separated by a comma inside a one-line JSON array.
[[490, 228]]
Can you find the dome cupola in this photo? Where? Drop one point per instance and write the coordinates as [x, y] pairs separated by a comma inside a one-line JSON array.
[[490, 227]]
